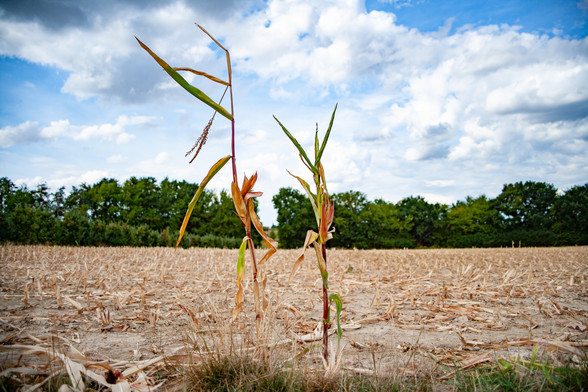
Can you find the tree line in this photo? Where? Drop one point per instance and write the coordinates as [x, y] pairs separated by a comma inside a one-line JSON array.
[[525, 213], [143, 212], [140, 212]]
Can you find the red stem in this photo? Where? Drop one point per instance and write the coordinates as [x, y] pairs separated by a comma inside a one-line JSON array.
[[235, 178], [233, 159], [325, 310]]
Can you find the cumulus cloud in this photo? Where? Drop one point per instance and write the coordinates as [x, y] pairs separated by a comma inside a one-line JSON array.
[[24, 133], [29, 132], [57, 129], [93, 176], [417, 103]]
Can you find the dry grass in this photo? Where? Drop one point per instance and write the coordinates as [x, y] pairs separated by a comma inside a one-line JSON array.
[[406, 312]]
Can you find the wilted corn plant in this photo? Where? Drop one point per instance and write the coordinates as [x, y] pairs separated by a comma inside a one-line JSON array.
[[242, 196], [324, 212]]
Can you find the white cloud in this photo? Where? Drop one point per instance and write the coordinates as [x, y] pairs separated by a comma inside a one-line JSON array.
[[161, 158], [482, 103], [540, 86], [440, 183], [57, 129], [105, 131], [437, 198], [93, 176], [29, 132], [116, 159], [124, 137], [26, 132]]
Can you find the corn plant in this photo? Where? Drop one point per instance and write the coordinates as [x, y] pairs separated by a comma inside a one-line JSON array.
[[324, 212], [242, 195]]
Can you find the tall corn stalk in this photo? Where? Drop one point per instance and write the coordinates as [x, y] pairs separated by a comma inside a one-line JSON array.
[[324, 212], [242, 195]]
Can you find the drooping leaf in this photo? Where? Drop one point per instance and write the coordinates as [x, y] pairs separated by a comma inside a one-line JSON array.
[[256, 302], [200, 73], [310, 195], [248, 184], [211, 37], [322, 264], [327, 216], [240, 277], [333, 297], [322, 177], [211, 173], [269, 242], [324, 144], [187, 86], [298, 146], [223, 48], [240, 205], [311, 237]]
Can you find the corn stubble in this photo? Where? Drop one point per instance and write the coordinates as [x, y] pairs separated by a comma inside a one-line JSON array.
[[409, 313]]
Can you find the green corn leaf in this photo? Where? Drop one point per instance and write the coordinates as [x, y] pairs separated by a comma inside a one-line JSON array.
[[241, 260], [321, 264], [324, 144], [339, 306], [316, 145], [298, 146], [187, 86], [240, 277], [311, 196], [211, 173]]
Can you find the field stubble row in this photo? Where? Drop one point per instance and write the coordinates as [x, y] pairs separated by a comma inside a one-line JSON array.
[[405, 311]]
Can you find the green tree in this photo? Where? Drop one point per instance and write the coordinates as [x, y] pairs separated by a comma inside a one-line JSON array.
[[58, 203], [384, 228], [474, 215], [223, 220], [571, 216], [141, 201], [26, 214], [6, 190], [173, 199], [526, 205], [423, 219], [295, 216], [349, 221], [106, 200], [79, 200]]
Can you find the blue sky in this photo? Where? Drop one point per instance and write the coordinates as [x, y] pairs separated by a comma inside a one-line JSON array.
[[442, 99]]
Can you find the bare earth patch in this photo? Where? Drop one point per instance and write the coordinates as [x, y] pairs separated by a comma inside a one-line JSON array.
[[405, 311]]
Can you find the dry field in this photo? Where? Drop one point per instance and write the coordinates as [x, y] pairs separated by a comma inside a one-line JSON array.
[[405, 311]]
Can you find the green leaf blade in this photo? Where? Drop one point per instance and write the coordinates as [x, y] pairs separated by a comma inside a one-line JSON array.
[[211, 173], [298, 146], [324, 143], [339, 308], [311, 196], [187, 86]]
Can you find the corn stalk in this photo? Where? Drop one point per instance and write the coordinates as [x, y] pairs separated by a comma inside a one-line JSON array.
[[242, 195], [324, 212]]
